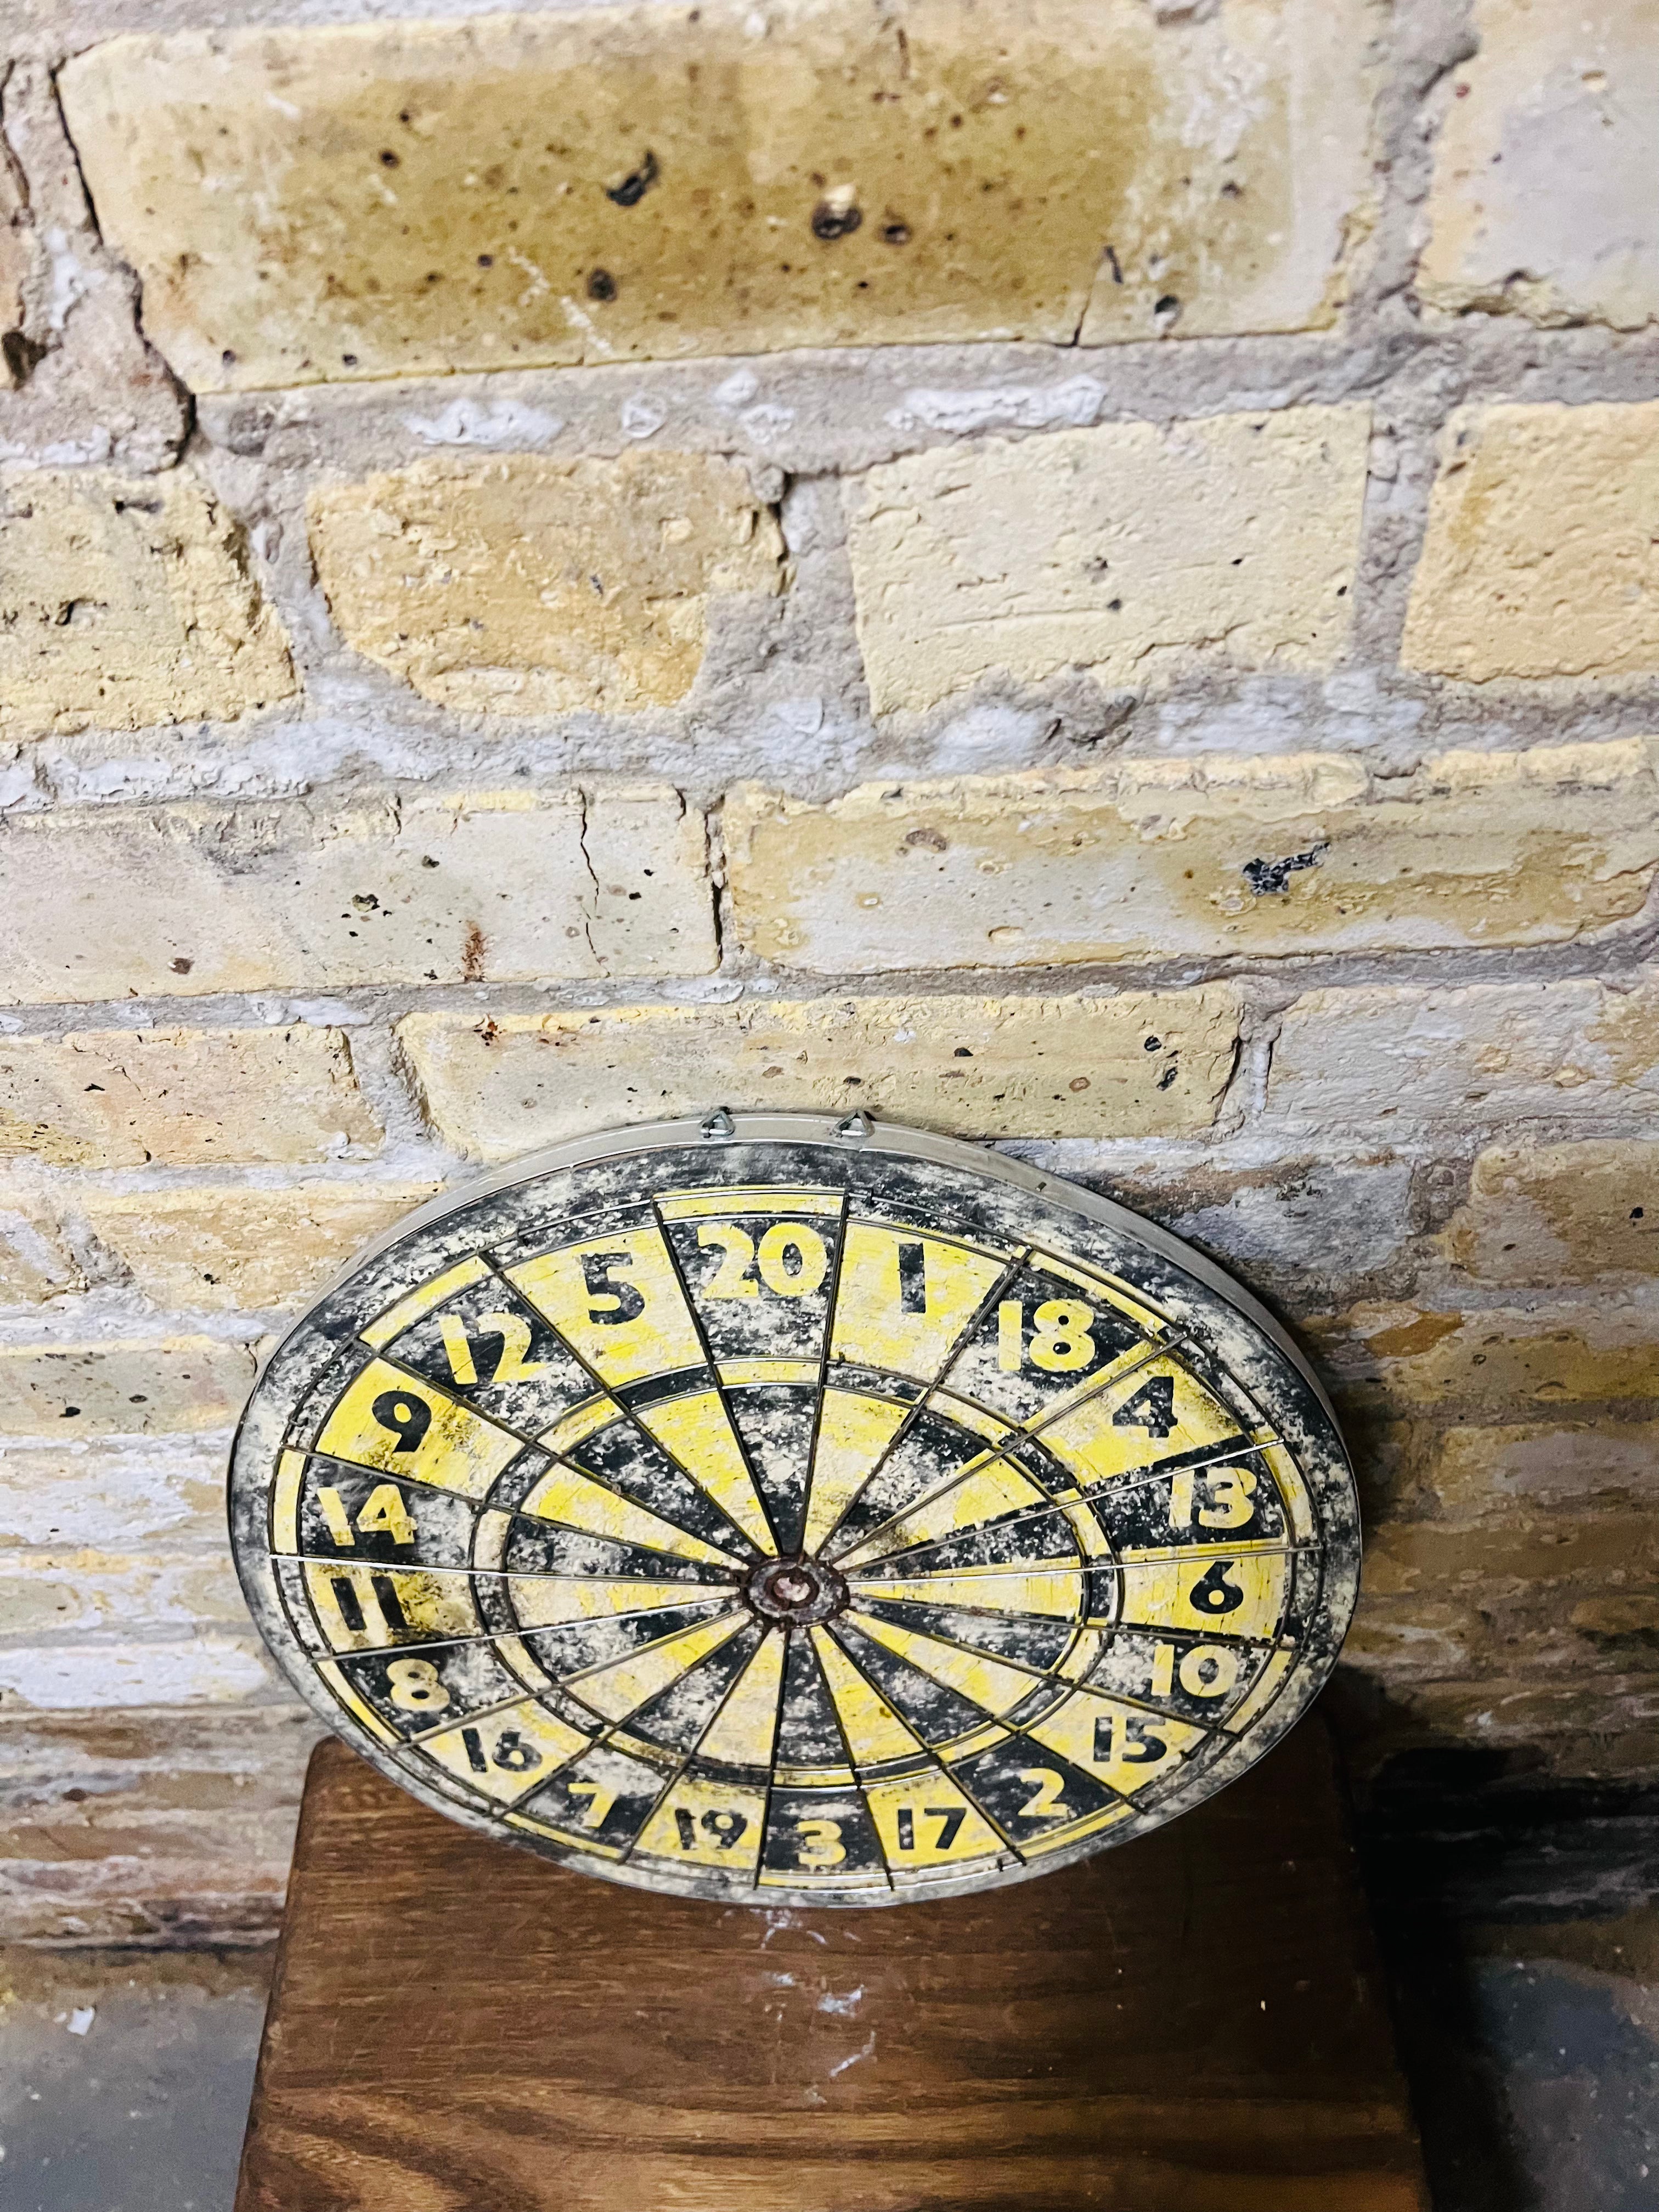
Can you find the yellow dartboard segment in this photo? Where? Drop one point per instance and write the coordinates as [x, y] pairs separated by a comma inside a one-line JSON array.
[[401, 1423], [620, 1686], [361, 1607], [505, 1753], [1236, 1593], [707, 1824], [1155, 1411], [902, 1301], [1124, 1746], [553, 1601], [986, 1590], [744, 1730], [574, 1500], [926, 1821], [697, 1431], [873, 1731], [792, 1510], [984, 1682], [854, 1431], [968, 1500], [616, 1301]]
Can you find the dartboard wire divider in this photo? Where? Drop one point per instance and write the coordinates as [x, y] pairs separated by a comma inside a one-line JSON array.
[[795, 1509]]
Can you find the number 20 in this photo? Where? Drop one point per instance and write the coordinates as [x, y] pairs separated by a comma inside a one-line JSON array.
[[790, 1259]]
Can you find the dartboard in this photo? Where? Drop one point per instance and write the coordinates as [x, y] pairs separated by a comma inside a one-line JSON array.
[[793, 1511]]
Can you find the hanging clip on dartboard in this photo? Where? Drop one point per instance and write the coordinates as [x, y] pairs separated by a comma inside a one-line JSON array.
[[788, 1511]]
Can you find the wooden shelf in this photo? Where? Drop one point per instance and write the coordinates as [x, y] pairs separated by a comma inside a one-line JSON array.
[[1191, 2023]]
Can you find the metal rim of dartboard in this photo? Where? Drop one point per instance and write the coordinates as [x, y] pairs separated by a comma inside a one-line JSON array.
[[789, 1509]]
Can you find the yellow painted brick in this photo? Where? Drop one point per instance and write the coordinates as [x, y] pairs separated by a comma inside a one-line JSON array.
[[1541, 558], [122, 1386], [1501, 1361], [78, 1592], [257, 1249], [1140, 551], [525, 585], [1542, 203], [390, 198], [127, 601], [1474, 1472], [477, 887], [1560, 1213], [1156, 859], [180, 1097], [1383, 1055], [35, 1261], [1142, 1063]]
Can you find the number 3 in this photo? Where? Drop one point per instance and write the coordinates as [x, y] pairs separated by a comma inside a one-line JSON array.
[[820, 1843]]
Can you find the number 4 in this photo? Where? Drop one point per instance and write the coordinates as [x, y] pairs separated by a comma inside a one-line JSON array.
[[384, 1513]]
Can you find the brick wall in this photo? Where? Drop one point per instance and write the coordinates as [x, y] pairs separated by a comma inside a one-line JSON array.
[[1083, 573]]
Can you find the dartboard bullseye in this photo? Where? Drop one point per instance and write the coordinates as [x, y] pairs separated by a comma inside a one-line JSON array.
[[800, 1514]]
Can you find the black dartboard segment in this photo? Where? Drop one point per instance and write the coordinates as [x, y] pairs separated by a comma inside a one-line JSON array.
[[796, 1517]]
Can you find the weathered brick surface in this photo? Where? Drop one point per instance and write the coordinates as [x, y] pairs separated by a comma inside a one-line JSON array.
[[492, 886], [174, 1825], [711, 183], [181, 1098], [1602, 1728], [1540, 205], [1477, 1472], [1560, 1213], [1491, 1361], [1140, 551], [255, 1250], [1385, 1055], [1534, 1592], [126, 601], [122, 1386], [531, 587], [48, 1594], [35, 1262], [219, 1670], [1539, 559], [1139, 1063], [1153, 858], [164, 1493]]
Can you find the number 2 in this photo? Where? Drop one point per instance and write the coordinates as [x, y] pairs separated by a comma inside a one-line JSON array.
[[790, 1259], [1047, 1802], [510, 1365]]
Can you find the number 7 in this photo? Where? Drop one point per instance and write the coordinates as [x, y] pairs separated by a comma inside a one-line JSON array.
[[601, 1797]]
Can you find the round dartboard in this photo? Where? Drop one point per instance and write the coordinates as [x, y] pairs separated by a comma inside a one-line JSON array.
[[793, 1511]]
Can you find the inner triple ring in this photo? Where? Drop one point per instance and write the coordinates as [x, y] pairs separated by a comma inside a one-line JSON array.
[[795, 1589]]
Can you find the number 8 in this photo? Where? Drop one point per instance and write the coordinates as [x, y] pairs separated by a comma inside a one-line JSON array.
[[1060, 1341], [416, 1687]]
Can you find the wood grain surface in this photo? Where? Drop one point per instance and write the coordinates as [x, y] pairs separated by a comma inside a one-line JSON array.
[[1193, 2020]]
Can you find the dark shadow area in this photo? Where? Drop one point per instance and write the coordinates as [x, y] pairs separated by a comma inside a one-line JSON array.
[[1529, 2036]]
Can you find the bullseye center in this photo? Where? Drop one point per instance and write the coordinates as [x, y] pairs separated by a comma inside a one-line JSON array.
[[797, 1590]]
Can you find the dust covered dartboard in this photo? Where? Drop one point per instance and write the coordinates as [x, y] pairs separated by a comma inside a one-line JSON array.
[[794, 1512]]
